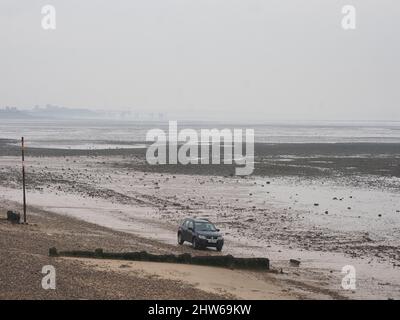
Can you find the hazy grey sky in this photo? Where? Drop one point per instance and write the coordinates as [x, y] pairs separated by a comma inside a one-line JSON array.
[[233, 59]]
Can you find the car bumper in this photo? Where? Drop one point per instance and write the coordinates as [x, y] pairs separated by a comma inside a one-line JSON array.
[[206, 243]]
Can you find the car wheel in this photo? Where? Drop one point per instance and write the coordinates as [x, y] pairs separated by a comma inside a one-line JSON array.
[[194, 243], [219, 248], [180, 240]]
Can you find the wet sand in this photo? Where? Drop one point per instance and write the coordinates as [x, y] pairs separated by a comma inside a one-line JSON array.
[[24, 252], [237, 284]]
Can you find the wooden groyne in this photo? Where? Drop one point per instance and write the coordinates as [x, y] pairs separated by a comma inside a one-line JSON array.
[[226, 261]]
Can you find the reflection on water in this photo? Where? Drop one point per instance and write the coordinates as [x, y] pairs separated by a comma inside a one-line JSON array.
[[42, 132]]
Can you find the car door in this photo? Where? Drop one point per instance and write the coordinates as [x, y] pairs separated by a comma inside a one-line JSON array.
[[185, 230], [190, 230]]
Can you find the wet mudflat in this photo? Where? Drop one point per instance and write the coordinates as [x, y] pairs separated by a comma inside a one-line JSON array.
[[322, 215]]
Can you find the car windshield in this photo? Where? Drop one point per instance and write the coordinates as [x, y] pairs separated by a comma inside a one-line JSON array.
[[204, 226]]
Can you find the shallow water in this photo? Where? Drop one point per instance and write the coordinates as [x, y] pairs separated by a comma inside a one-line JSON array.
[[46, 131], [337, 207]]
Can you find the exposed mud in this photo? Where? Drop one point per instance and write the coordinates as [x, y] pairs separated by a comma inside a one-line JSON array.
[[322, 215]]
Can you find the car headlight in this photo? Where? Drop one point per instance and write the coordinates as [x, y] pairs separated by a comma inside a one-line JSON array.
[[202, 237]]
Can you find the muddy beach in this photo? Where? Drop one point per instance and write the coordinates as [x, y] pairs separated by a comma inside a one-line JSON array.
[[321, 215]]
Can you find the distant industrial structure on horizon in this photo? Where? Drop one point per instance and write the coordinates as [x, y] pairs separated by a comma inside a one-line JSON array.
[[63, 113]]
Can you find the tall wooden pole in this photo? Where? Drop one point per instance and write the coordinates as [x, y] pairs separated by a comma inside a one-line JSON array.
[[23, 176]]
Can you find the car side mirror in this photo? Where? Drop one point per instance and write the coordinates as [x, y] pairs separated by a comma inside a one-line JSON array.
[[190, 228], [218, 230]]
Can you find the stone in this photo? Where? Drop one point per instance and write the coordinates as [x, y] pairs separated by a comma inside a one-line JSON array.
[[294, 262]]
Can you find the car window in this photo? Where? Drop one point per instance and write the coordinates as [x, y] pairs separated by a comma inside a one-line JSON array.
[[190, 224], [205, 226]]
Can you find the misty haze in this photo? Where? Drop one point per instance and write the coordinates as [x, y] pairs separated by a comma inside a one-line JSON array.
[[89, 88]]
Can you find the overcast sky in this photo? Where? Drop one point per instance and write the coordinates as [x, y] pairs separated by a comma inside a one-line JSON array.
[[222, 59]]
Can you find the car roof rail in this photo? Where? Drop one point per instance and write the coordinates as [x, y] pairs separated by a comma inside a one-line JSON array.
[[204, 219]]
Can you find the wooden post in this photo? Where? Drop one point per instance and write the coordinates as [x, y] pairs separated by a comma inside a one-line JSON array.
[[23, 176]]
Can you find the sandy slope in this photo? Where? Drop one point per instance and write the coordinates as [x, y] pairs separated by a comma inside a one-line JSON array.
[[236, 283], [24, 251]]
